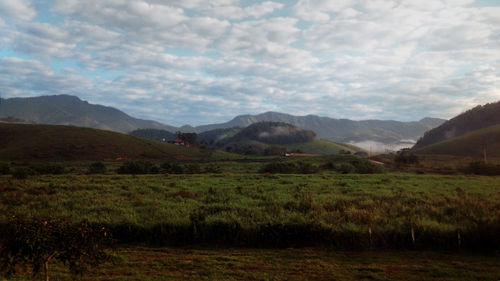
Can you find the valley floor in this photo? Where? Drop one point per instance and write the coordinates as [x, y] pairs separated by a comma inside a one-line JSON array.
[[243, 225]]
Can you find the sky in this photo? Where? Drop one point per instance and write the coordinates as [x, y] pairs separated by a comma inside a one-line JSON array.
[[199, 62]]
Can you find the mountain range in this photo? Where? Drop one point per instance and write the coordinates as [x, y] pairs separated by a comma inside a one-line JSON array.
[[70, 110], [379, 134]]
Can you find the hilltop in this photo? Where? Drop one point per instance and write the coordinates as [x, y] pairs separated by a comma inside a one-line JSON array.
[[277, 138], [56, 142], [70, 110], [472, 144], [385, 133], [479, 117]]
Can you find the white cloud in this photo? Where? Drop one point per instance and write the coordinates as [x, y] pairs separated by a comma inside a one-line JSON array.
[[194, 61], [21, 77], [17, 10], [41, 40], [232, 11]]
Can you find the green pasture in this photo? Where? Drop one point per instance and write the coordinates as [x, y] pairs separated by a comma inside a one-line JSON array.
[[285, 209]]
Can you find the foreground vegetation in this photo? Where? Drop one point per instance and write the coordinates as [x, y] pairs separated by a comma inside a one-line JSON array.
[[231, 219], [144, 263], [343, 211]]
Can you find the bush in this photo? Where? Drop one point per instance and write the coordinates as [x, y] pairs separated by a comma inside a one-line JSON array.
[[365, 167], [306, 168], [192, 169], [482, 168], [279, 167], [214, 169], [36, 242], [172, 168], [345, 168], [4, 169], [282, 167], [48, 169], [21, 173], [404, 156], [138, 167], [97, 168]]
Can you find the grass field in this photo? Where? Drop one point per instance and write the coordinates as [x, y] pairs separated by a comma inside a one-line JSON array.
[[241, 224], [144, 263], [271, 210]]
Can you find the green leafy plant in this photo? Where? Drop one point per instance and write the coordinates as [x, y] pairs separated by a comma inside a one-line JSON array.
[[138, 167], [97, 168], [38, 242]]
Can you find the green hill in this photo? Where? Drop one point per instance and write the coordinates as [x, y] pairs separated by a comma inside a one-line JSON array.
[[154, 134], [213, 136], [71, 110], [274, 138], [55, 142], [277, 133], [319, 146], [479, 117], [316, 146], [471, 144]]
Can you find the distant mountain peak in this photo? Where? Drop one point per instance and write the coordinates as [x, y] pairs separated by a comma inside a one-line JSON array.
[[71, 110]]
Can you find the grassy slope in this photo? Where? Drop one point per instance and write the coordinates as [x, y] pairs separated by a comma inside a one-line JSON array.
[[317, 146], [470, 144], [51, 142]]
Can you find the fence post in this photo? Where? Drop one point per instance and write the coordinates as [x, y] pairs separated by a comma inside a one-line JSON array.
[[370, 233], [413, 235]]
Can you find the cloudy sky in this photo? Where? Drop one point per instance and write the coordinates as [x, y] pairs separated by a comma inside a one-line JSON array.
[[199, 61]]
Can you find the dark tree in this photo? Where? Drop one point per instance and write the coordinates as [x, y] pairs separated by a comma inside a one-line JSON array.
[[189, 138], [406, 156], [37, 242]]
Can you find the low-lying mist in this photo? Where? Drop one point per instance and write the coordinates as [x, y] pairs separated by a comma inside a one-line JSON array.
[[379, 147]]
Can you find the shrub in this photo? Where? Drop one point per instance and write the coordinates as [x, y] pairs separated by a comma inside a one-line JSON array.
[[37, 242], [138, 167], [192, 169], [306, 168], [282, 167], [361, 154], [365, 167], [48, 169], [482, 168], [4, 169], [279, 167], [404, 156], [345, 168], [97, 168], [213, 169], [21, 173], [172, 168]]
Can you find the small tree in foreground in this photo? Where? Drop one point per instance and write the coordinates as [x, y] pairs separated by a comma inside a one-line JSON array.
[[36, 243]]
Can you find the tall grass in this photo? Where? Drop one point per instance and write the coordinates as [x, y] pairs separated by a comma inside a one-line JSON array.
[[271, 210]]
